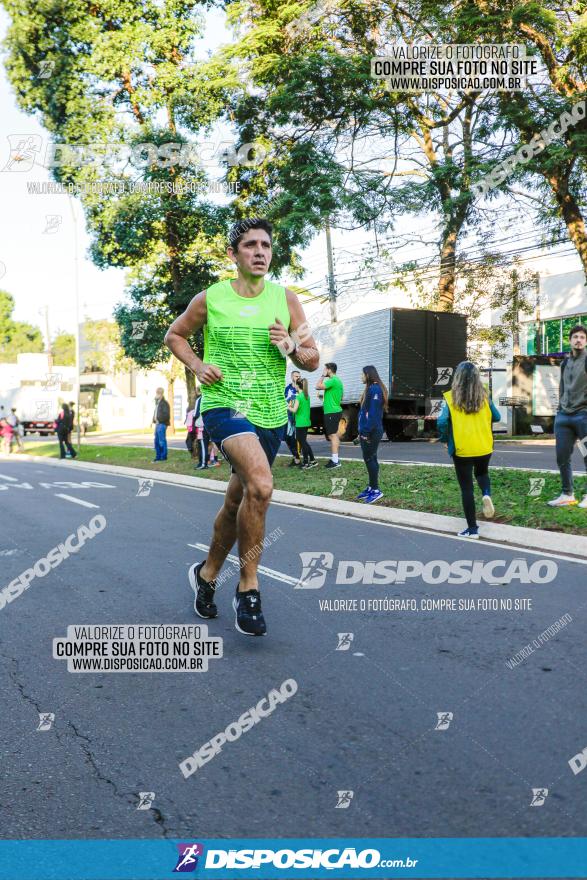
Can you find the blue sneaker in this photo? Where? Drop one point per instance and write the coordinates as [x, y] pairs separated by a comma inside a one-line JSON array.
[[249, 618], [374, 495], [469, 533], [363, 494]]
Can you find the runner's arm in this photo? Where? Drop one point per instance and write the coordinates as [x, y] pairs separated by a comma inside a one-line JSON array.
[[298, 339], [176, 340], [306, 355]]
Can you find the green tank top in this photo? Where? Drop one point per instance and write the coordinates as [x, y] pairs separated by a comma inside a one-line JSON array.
[[302, 414], [236, 339]]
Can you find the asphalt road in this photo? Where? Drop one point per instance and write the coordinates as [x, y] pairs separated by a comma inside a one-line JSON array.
[[362, 720], [539, 455]]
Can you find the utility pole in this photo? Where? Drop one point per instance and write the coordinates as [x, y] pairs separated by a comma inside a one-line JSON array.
[[538, 337], [77, 316], [45, 311], [331, 283], [515, 312]]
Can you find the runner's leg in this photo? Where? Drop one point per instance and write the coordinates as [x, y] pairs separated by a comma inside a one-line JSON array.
[[225, 529], [252, 467]]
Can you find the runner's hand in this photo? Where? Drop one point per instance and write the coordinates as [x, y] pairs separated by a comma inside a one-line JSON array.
[[208, 374], [279, 336]]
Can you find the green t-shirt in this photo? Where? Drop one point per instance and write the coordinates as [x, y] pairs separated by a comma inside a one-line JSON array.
[[302, 414], [332, 394], [236, 339]]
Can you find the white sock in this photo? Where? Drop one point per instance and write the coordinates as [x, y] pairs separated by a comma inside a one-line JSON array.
[[335, 458]]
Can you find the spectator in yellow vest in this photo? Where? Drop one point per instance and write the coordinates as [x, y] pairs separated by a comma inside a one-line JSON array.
[[465, 424]]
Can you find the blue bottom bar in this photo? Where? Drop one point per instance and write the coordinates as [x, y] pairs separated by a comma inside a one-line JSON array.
[[272, 859]]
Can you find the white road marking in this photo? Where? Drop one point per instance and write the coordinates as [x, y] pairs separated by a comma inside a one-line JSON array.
[[77, 500], [516, 452], [270, 572], [10, 479]]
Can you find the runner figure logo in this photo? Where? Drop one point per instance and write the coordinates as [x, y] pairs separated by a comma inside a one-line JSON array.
[[444, 719], [344, 800], [43, 409], [539, 795], [536, 486], [338, 486], [46, 720], [23, 148], [146, 798], [53, 223], [444, 375], [344, 641], [314, 568], [435, 407], [52, 380], [138, 329], [145, 487], [46, 68], [187, 860]]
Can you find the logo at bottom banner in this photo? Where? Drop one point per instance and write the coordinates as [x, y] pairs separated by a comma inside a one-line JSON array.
[[290, 858], [187, 859]]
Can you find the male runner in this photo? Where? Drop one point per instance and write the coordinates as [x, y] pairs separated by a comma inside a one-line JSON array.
[[570, 423], [333, 390], [247, 325]]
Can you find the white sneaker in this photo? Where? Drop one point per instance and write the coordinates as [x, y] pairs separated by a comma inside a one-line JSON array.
[[563, 501], [488, 508], [583, 503]]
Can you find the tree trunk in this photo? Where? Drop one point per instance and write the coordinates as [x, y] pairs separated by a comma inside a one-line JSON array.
[[446, 282], [170, 394], [572, 216]]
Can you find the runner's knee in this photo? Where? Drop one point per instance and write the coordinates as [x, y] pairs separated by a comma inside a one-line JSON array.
[[260, 488]]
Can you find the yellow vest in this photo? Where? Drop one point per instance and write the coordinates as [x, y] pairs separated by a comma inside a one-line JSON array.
[[472, 432]]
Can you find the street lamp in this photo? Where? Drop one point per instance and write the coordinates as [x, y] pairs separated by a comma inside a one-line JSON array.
[[77, 334]]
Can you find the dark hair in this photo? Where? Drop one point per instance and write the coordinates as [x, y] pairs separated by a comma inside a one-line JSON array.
[[238, 230], [373, 378], [65, 408], [467, 390], [331, 366], [578, 328]]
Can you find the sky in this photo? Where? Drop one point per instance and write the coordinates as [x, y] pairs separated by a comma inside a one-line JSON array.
[[38, 231]]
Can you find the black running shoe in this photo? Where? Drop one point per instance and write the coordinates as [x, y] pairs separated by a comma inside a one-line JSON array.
[[249, 618], [204, 602]]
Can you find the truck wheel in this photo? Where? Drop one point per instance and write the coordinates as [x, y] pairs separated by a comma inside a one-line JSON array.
[[394, 429], [348, 427]]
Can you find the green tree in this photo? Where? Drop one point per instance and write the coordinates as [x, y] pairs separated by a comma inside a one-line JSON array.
[[123, 75], [16, 337], [554, 181], [63, 348], [104, 352], [344, 146]]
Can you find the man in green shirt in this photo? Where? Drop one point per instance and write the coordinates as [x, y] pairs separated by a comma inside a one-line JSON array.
[[248, 327], [333, 390]]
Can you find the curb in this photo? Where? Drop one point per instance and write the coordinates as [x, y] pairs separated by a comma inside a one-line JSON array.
[[515, 536]]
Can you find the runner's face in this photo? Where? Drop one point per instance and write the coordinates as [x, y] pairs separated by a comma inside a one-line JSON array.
[[578, 341], [254, 253]]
